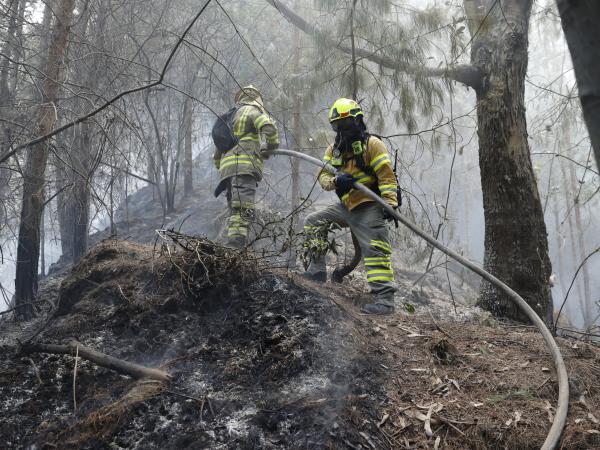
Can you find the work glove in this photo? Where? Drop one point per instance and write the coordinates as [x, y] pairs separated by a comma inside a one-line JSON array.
[[265, 152], [343, 183], [388, 217]]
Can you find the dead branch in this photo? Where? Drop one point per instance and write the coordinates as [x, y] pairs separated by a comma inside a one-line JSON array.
[[9, 153], [463, 73], [110, 362]]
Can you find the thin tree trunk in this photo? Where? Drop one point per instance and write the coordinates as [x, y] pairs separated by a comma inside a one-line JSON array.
[[81, 191], [296, 124], [28, 250], [188, 173], [585, 300], [64, 199], [43, 245], [516, 245]]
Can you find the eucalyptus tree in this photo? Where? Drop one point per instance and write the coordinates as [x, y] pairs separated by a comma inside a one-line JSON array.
[[516, 247]]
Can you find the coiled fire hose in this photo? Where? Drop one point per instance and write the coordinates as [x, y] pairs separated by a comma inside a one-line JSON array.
[[562, 406]]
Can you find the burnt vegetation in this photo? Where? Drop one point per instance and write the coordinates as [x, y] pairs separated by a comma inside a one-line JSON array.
[[128, 320]]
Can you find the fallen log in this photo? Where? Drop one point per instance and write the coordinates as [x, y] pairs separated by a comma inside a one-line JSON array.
[[110, 362]]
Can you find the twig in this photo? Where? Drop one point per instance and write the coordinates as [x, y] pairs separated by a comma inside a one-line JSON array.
[[37, 371], [440, 329], [83, 118], [571, 286], [75, 381]]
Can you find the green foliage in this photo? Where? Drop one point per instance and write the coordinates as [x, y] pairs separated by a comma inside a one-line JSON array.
[[317, 242], [391, 31]]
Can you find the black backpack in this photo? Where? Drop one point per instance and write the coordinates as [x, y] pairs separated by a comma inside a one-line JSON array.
[[222, 131]]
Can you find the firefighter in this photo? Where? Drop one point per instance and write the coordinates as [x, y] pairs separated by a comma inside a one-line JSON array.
[[362, 158], [241, 166]]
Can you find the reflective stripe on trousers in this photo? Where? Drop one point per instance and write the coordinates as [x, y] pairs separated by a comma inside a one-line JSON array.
[[370, 228], [241, 206]]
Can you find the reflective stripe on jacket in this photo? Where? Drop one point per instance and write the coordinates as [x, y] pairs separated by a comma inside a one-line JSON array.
[[377, 158]]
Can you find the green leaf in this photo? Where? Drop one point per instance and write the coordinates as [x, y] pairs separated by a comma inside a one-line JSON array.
[[409, 308]]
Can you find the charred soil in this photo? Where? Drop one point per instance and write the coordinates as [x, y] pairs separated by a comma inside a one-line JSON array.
[[263, 360]]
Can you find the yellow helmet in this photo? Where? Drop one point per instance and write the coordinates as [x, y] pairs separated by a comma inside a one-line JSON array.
[[344, 107], [248, 93]]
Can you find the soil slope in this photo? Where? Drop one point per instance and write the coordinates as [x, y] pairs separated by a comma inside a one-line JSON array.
[[261, 360]]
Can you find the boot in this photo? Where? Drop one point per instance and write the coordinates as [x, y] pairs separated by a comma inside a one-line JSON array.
[[318, 276], [377, 309], [236, 242]]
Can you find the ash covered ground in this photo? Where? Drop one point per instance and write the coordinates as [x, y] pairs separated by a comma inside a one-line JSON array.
[[258, 361]]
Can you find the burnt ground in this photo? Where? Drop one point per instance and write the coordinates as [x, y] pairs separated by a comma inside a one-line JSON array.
[[264, 360]]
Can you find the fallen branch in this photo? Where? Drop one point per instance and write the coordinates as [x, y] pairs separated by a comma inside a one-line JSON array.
[[110, 362]]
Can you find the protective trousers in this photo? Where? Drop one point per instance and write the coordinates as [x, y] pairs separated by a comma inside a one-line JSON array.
[[240, 199], [368, 225]]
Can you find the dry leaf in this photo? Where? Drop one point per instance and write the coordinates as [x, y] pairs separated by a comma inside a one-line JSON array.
[[545, 369], [383, 420], [593, 418], [436, 446], [517, 417], [550, 409], [365, 436], [428, 430], [475, 404], [455, 383], [525, 364]]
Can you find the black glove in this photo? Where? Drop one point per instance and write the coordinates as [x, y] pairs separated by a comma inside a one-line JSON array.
[[343, 183], [388, 216]]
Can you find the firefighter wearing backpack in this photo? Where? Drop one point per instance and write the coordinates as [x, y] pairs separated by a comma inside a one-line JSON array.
[[362, 158], [241, 165]]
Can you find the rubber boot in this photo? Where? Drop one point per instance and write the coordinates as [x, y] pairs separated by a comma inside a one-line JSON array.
[[382, 305]]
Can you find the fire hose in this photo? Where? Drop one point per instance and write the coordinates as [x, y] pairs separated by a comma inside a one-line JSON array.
[[560, 418]]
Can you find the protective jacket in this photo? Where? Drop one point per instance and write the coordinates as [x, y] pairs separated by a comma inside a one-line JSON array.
[[377, 174], [249, 123]]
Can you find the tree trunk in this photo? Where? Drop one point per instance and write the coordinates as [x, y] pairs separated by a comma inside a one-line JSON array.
[[585, 300], [64, 199], [81, 192], [296, 124], [28, 251], [188, 174], [516, 244], [580, 19]]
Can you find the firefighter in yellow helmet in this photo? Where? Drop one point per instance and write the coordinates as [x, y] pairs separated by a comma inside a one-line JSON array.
[[360, 158], [241, 166]]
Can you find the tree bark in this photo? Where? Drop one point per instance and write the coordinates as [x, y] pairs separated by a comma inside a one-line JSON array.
[[580, 19], [28, 250], [516, 244]]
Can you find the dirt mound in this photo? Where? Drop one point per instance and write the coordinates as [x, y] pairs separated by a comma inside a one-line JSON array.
[[258, 361], [261, 360]]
